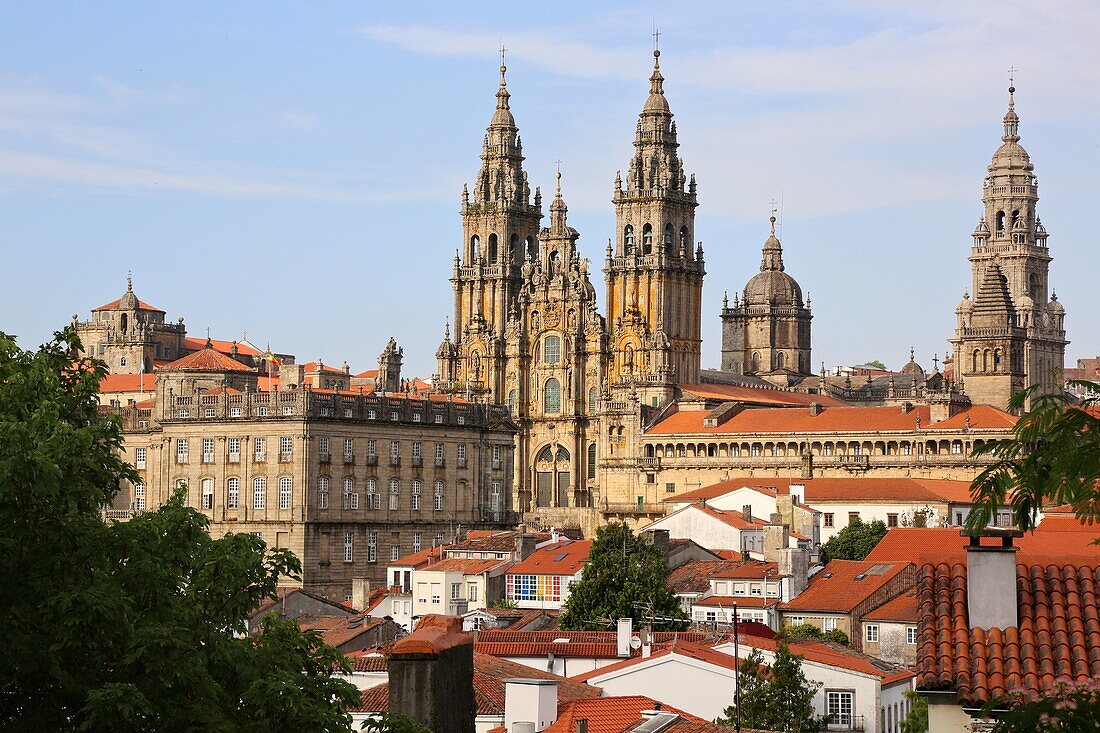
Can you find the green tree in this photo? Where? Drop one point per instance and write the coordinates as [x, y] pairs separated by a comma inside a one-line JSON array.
[[877, 364], [854, 542], [809, 631], [776, 696], [135, 626], [626, 577], [393, 723], [917, 719], [505, 603]]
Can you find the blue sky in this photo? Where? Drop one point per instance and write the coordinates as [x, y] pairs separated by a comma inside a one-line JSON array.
[[295, 172]]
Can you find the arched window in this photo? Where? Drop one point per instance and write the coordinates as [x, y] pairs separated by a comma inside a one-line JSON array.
[[591, 460], [546, 454], [976, 361], [513, 248], [1015, 218], [122, 361], [997, 360], [438, 496], [1000, 222], [259, 492], [755, 362], [532, 248], [1033, 286], [513, 401], [322, 492], [780, 360], [563, 454], [475, 249], [551, 350], [592, 399], [125, 322], [207, 493], [647, 239], [286, 491], [416, 494], [551, 396], [492, 248], [669, 235], [628, 239], [684, 240]]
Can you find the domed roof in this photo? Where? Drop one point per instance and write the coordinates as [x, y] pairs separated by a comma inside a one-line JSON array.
[[912, 368], [966, 303], [772, 285], [1011, 154], [503, 115], [656, 101], [1055, 306]]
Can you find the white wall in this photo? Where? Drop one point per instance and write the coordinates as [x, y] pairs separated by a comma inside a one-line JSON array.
[[691, 685], [692, 524], [894, 706], [870, 511], [564, 666]]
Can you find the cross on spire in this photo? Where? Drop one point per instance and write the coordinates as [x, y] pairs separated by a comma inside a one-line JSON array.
[[656, 38], [1012, 75], [129, 281], [774, 206]]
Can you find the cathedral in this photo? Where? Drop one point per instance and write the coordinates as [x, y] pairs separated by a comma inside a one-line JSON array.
[[583, 387]]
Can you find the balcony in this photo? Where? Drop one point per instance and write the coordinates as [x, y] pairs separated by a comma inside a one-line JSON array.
[[635, 509], [234, 458], [496, 464], [326, 457], [372, 460], [417, 461], [286, 457], [462, 463], [846, 722], [260, 458], [349, 459], [207, 457], [440, 462], [395, 460]]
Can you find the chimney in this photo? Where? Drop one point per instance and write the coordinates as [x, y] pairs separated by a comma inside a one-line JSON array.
[[525, 544], [532, 701], [991, 580], [775, 540], [432, 676], [794, 562], [815, 409], [747, 511], [659, 538], [624, 631], [360, 593], [580, 725], [807, 465], [647, 643]]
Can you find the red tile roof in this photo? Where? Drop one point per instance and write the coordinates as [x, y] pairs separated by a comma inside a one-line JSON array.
[[466, 567], [699, 652], [494, 541], [420, 559], [575, 644], [694, 575], [1058, 635], [830, 419], [337, 630], [750, 570], [739, 601], [127, 383], [610, 714], [838, 489], [221, 345], [843, 584], [1056, 536], [757, 395], [902, 609], [722, 488], [835, 655], [312, 366], [562, 558], [729, 517], [114, 304], [207, 360]]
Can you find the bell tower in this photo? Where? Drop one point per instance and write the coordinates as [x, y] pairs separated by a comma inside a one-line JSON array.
[[654, 270], [500, 225], [1011, 238]]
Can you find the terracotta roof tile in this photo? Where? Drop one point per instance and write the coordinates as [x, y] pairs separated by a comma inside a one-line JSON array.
[[610, 714], [221, 345], [562, 558], [114, 304], [699, 652], [739, 601], [843, 584], [466, 567], [845, 488], [337, 630], [757, 395], [713, 491], [207, 360], [831, 419], [835, 655], [127, 383], [902, 609], [1057, 637], [694, 575], [574, 644], [1056, 536], [750, 570]]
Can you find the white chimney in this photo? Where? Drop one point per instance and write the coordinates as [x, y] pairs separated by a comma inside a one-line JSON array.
[[991, 600], [530, 702], [625, 631], [360, 593]]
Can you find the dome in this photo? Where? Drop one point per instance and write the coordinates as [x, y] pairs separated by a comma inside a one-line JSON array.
[[913, 369], [966, 304], [1055, 306], [656, 101], [773, 287], [1025, 302]]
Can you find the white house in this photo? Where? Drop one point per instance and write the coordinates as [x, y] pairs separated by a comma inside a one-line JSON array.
[[544, 578]]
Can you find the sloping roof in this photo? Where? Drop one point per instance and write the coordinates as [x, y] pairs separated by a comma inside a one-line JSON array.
[[835, 655], [207, 360], [489, 675], [421, 558], [843, 584], [494, 541], [284, 593], [698, 652], [610, 714], [750, 570], [722, 488], [574, 644], [694, 575], [313, 366], [221, 345], [786, 420], [1057, 637], [466, 567], [902, 609], [1056, 536], [757, 395], [739, 601], [127, 383], [337, 630], [561, 558], [860, 488], [114, 304]]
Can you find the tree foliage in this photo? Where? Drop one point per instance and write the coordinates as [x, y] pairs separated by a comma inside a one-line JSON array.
[[135, 626], [809, 631], [776, 696], [854, 542], [393, 723], [626, 577], [1067, 706], [1052, 458], [917, 719]]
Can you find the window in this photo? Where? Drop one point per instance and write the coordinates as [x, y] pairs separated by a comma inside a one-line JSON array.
[[592, 399], [372, 450], [552, 396], [185, 413], [286, 489], [395, 552], [323, 445], [416, 542], [417, 417], [910, 634], [260, 451], [496, 456], [755, 450], [351, 499], [373, 500], [139, 497], [513, 402], [456, 591], [435, 593], [461, 455], [533, 587], [349, 547], [891, 520], [259, 491], [261, 411], [395, 453], [395, 493], [438, 498], [322, 492], [494, 498], [838, 705], [234, 412], [828, 519], [591, 460], [393, 416], [233, 449], [551, 350], [372, 547], [349, 449], [286, 448], [828, 624], [207, 493], [870, 632], [439, 454], [416, 495], [628, 239], [956, 447], [797, 620], [853, 517], [907, 449], [647, 239], [418, 455], [207, 450], [471, 592], [232, 493], [181, 450], [438, 538]]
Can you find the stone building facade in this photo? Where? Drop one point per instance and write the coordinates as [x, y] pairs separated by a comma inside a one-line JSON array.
[[347, 480]]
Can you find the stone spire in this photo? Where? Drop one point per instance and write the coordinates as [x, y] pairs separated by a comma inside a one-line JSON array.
[[558, 209], [992, 298], [1011, 119], [773, 251]]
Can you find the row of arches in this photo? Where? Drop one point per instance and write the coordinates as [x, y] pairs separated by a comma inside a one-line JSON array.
[[493, 253], [784, 449], [630, 245]]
